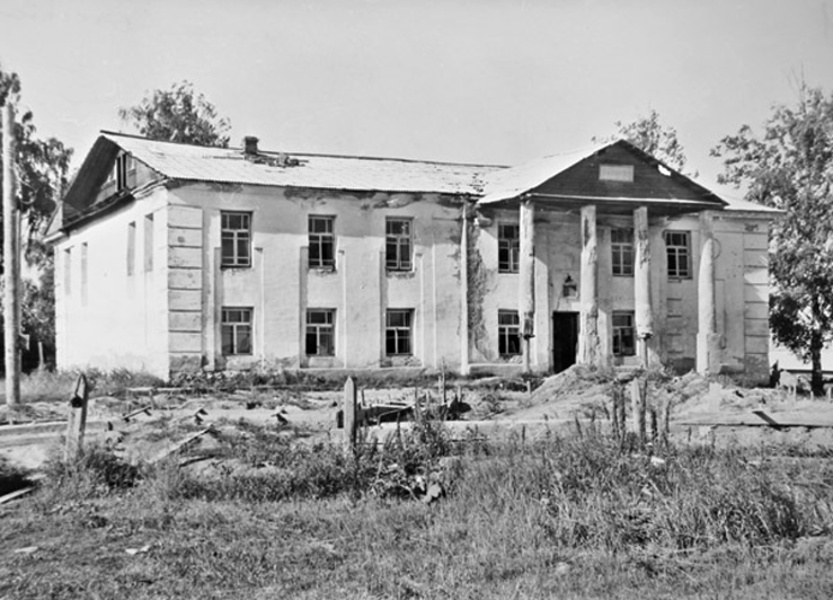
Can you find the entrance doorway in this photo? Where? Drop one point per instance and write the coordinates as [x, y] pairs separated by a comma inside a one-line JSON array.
[[564, 340]]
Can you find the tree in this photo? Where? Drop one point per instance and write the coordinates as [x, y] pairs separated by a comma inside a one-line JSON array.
[[42, 169], [42, 165], [178, 115], [651, 136], [790, 167]]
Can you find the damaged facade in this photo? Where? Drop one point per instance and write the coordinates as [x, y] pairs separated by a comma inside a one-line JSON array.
[[173, 257]]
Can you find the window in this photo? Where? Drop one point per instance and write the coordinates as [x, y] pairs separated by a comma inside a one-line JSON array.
[[320, 339], [321, 242], [616, 173], [509, 333], [84, 252], [398, 332], [131, 248], [623, 334], [236, 239], [148, 243], [678, 250], [621, 246], [237, 331], [398, 244], [68, 271], [509, 247], [124, 164]]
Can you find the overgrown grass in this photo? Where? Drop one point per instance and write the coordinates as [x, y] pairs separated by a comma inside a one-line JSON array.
[[39, 386], [562, 517]]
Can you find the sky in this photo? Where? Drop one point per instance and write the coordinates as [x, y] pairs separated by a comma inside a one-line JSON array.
[[489, 81]]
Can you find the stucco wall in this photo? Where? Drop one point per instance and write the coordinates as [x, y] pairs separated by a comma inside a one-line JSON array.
[[113, 319], [280, 286]]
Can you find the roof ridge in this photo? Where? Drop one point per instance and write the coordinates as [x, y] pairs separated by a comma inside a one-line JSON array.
[[310, 154]]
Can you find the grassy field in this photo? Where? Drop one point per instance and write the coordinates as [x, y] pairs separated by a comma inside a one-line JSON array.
[[577, 517]]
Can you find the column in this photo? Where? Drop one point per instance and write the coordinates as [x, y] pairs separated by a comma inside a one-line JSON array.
[[526, 270], [708, 342], [465, 369], [642, 285], [588, 340]]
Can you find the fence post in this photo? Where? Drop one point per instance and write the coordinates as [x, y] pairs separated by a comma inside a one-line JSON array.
[[77, 419], [350, 411], [638, 409]]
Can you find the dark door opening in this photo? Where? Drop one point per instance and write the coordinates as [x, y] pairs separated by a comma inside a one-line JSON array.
[[564, 340]]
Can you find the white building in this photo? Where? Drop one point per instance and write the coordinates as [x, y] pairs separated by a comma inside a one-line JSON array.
[[172, 257]]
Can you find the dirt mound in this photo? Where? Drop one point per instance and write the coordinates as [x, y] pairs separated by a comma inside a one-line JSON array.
[[580, 390]]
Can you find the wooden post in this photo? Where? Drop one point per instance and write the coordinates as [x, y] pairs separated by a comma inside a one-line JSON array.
[[77, 419], [708, 360], [638, 409], [664, 419], [642, 283], [526, 272], [350, 413], [588, 341], [11, 264]]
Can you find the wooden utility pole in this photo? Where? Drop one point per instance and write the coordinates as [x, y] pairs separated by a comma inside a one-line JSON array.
[[11, 265]]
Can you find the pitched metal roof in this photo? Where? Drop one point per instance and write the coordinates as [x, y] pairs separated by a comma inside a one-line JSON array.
[[505, 184], [228, 165]]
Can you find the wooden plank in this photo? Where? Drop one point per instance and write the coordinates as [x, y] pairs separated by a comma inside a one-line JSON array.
[[16, 494]]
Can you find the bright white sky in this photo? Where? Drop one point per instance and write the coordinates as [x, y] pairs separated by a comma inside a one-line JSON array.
[[497, 81]]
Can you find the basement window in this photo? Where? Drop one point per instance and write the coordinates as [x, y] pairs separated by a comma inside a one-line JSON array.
[[616, 173], [321, 242], [236, 236], [237, 331], [398, 332], [624, 338], [320, 336], [509, 333], [508, 247], [621, 249]]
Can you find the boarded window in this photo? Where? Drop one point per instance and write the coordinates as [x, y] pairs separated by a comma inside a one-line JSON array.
[[398, 332], [616, 173], [320, 336], [621, 248], [236, 239], [509, 247], [509, 333], [321, 242], [678, 252], [624, 338], [237, 331], [398, 244], [148, 243]]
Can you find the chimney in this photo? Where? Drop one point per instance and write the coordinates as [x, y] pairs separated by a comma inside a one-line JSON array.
[[250, 145]]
